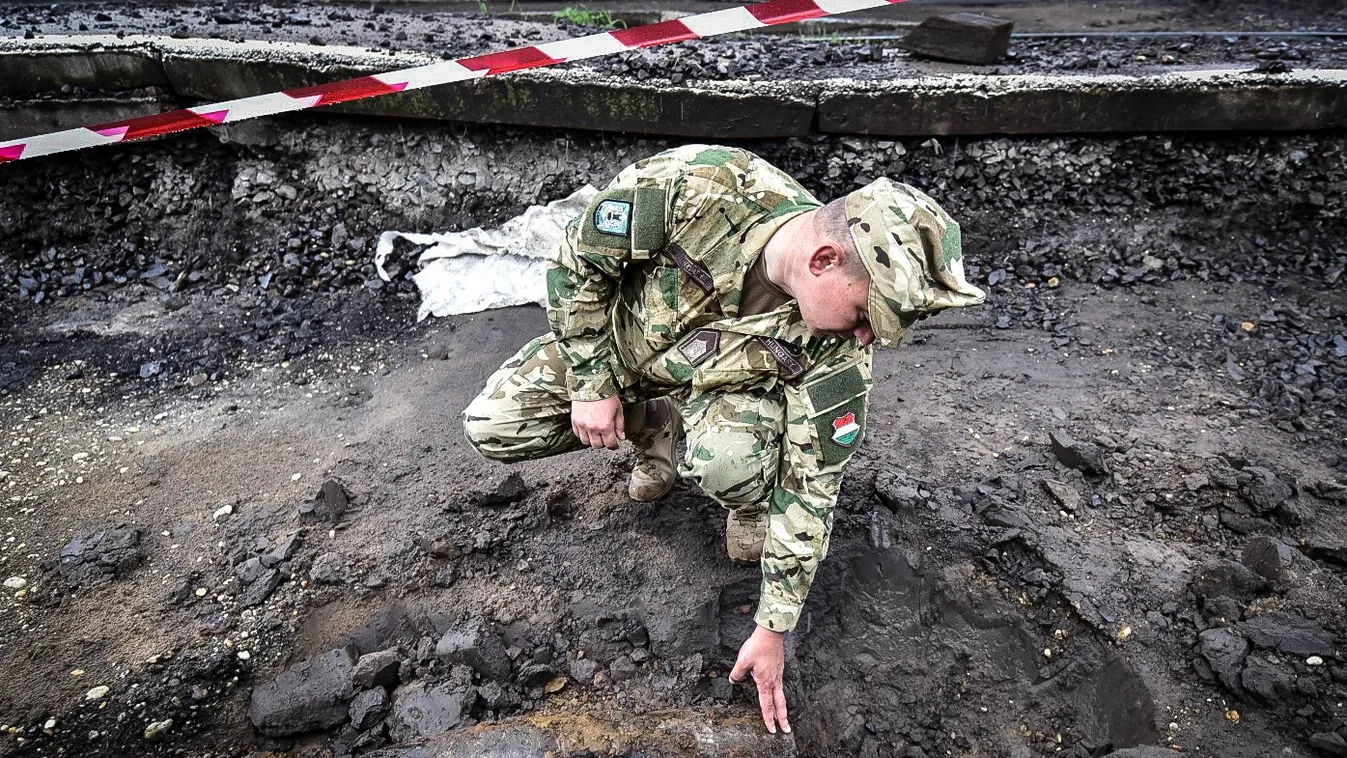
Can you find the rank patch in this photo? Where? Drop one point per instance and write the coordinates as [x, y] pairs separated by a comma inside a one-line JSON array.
[[613, 217], [702, 344]]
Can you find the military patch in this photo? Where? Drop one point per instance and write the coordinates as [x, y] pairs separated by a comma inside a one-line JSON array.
[[613, 217], [845, 429], [700, 345], [695, 270], [784, 355]]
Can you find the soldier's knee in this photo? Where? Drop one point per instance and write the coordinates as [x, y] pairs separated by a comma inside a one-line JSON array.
[[489, 437], [730, 479]]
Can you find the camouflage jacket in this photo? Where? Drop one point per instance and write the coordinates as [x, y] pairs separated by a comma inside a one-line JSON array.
[[643, 296]]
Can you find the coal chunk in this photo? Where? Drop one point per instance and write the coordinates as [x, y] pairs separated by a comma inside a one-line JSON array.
[[1226, 579], [425, 710], [282, 551], [1225, 650], [1082, 456], [1266, 681], [101, 556], [368, 708], [328, 505], [1268, 557], [260, 589], [377, 669], [1290, 634], [510, 490], [311, 695], [473, 643], [1329, 742], [1264, 492]]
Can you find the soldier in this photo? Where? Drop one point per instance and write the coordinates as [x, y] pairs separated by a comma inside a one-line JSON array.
[[706, 293]]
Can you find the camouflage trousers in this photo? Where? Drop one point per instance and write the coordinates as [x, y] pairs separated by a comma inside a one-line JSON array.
[[733, 438]]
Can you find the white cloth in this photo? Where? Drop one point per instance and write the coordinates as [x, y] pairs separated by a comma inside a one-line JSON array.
[[479, 269]]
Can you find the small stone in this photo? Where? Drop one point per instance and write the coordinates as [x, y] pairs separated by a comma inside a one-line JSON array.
[[1065, 495], [377, 669], [196, 380], [222, 512], [244, 655], [201, 591], [15, 583], [97, 693], [156, 730], [1314, 660]]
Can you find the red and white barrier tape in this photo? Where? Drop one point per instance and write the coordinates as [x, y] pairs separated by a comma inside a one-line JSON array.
[[697, 26]]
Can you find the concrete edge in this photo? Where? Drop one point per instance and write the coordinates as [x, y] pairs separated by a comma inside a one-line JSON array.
[[197, 70]]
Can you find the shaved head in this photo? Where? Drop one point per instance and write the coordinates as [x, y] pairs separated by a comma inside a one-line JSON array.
[[830, 223]]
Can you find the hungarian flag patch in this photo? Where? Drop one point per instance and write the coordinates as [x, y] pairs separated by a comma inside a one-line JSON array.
[[845, 429]]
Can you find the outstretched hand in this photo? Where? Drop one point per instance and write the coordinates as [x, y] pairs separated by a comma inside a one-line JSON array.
[[764, 654]]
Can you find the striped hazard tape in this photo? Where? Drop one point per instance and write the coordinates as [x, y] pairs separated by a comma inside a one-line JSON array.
[[696, 26]]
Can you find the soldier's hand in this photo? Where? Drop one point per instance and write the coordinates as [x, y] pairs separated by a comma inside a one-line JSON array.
[[598, 423], [764, 654]]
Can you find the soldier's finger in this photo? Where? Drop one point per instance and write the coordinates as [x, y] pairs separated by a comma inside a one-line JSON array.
[[621, 424], [779, 702], [581, 434], [768, 709], [610, 439], [740, 670]]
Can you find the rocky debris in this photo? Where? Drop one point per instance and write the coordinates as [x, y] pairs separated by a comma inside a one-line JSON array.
[[421, 709], [379, 669], [1289, 634], [473, 643], [1226, 579], [328, 505], [584, 669], [1268, 557], [1083, 456], [1264, 491], [1331, 743], [283, 550], [369, 708], [1266, 681], [157, 730], [676, 733], [310, 695], [508, 491], [328, 568], [260, 589], [1066, 496], [100, 556], [1225, 652], [250, 570], [1145, 751]]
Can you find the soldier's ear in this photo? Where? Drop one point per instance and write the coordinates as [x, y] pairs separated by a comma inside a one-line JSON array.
[[825, 257]]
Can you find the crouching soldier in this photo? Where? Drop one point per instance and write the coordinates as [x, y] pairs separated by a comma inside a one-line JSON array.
[[706, 293]]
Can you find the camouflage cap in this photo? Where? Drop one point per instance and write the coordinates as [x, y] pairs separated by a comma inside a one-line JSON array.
[[914, 253]]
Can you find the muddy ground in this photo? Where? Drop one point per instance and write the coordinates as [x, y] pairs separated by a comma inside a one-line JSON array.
[[194, 345]]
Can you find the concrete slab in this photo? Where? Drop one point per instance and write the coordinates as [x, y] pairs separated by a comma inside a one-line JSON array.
[[574, 98], [1211, 100], [98, 63], [24, 118]]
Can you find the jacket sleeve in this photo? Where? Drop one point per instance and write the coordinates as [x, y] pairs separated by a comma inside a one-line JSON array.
[[581, 287], [825, 423]]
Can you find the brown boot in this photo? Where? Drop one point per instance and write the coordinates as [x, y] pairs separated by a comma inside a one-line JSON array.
[[745, 531], [657, 429]]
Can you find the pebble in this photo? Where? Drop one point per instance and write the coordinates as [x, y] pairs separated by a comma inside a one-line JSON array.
[[201, 591], [244, 655], [97, 693], [222, 512], [16, 583], [157, 729], [1314, 660]]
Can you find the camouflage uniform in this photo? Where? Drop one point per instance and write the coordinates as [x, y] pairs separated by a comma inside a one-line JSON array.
[[644, 299]]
